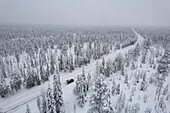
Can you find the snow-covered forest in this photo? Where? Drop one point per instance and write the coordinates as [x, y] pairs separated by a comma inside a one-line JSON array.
[[115, 69]]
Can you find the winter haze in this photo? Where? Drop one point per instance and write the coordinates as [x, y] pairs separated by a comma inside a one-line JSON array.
[[86, 12], [84, 56]]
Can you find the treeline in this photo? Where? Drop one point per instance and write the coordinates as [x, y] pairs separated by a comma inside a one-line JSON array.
[[157, 35], [19, 39]]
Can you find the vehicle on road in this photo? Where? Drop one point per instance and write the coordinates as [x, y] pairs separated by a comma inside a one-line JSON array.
[[69, 81]]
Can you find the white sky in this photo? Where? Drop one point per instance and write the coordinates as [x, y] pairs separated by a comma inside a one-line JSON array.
[[86, 12]]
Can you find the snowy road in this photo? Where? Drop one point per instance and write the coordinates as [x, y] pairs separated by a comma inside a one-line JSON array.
[[25, 96]]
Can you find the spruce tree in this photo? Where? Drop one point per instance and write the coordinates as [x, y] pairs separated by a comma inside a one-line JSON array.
[[165, 90], [81, 98], [108, 71], [49, 97], [88, 80], [82, 86], [52, 69], [120, 103], [100, 100], [57, 93], [28, 109], [39, 103], [44, 104]]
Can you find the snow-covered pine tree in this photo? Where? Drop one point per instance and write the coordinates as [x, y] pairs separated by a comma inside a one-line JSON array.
[[148, 110], [71, 63], [81, 83], [163, 64], [60, 59], [113, 87], [77, 88], [143, 83], [52, 63], [3, 85], [95, 55], [102, 67], [146, 43], [103, 62], [100, 100], [65, 63], [135, 108], [30, 81], [167, 97], [57, 93], [127, 108], [37, 80], [83, 77], [118, 89], [81, 99], [42, 74], [39, 103], [160, 79], [144, 53], [82, 86], [118, 62], [133, 65], [122, 69], [127, 59], [162, 69], [130, 98], [108, 70], [50, 105], [48, 71], [88, 54], [97, 70], [165, 89], [136, 52], [137, 77], [28, 109], [167, 55], [126, 79], [120, 103], [161, 108], [43, 103], [3, 69], [162, 72], [11, 87], [88, 81]]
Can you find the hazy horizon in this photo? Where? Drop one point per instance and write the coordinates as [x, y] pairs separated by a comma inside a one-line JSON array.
[[86, 12]]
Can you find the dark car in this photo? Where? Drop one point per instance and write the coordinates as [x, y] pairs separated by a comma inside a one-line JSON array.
[[69, 81]]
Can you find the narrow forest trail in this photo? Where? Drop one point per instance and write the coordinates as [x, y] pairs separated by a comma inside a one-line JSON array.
[[25, 96]]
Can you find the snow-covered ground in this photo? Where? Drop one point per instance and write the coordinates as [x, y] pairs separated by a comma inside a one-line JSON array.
[[17, 103]]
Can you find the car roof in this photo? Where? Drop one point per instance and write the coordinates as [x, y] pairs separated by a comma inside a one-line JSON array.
[[69, 79]]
